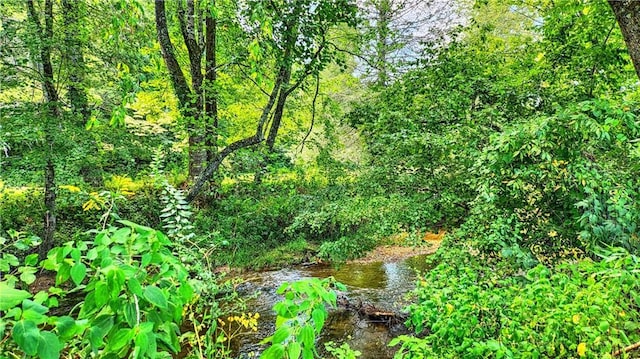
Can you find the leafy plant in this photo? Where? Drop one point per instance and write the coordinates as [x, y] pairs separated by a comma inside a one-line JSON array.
[[300, 318], [134, 293], [580, 309], [343, 351]]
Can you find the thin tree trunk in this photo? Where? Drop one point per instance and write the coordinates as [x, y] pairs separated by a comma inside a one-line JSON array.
[[382, 47], [627, 14], [210, 93], [75, 60], [190, 101], [53, 114], [279, 111], [179, 82]]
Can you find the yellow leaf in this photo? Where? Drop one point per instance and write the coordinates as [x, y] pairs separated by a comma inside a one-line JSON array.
[[89, 205], [449, 308], [582, 349], [576, 318], [71, 188]]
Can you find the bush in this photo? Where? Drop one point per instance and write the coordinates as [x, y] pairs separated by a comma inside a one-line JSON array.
[[466, 308], [551, 178]]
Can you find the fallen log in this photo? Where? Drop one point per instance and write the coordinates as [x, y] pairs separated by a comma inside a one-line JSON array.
[[372, 313]]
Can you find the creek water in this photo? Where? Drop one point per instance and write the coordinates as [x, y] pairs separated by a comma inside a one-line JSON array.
[[382, 284]]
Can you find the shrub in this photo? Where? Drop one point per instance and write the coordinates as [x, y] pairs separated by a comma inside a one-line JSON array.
[[467, 308]]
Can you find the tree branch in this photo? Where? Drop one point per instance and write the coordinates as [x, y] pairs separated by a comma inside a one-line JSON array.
[[256, 138], [313, 112]]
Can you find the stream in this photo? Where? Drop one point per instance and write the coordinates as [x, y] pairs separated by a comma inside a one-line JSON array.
[[381, 284]]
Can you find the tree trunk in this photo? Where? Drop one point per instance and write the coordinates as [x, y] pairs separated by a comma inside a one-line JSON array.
[[210, 93], [382, 39], [52, 115], [74, 58], [193, 113], [627, 14]]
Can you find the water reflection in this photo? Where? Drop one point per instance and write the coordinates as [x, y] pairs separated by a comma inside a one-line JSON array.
[[383, 285]]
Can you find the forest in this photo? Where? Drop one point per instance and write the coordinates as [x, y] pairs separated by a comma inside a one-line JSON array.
[[158, 156]]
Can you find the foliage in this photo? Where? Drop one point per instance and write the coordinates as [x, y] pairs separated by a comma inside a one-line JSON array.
[[583, 308], [551, 178], [344, 351], [300, 318], [133, 293]]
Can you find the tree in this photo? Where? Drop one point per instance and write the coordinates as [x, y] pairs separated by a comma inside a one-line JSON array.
[[627, 14], [395, 32], [73, 15], [284, 43], [52, 114]]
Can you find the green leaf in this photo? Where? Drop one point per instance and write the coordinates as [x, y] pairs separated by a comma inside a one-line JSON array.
[[120, 339], [31, 259], [121, 235], [306, 336], [66, 327], [155, 296], [294, 350], [134, 286], [130, 314], [319, 315], [34, 314], [26, 335], [10, 297], [49, 346], [78, 272], [115, 281], [101, 294], [137, 228], [27, 274], [142, 342], [186, 292], [275, 351], [281, 335]]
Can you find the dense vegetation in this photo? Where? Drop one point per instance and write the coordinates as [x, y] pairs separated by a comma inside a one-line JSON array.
[[257, 134]]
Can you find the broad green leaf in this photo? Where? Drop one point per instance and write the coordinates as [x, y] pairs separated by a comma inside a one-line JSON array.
[[138, 228], [319, 315], [10, 297], [306, 336], [275, 351], [142, 342], [130, 313], [27, 274], [186, 292], [121, 338], [155, 296], [121, 235], [31, 259], [294, 350], [281, 335], [78, 272], [101, 294], [49, 346], [34, 311], [66, 327], [134, 286], [115, 281], [26, 335]]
